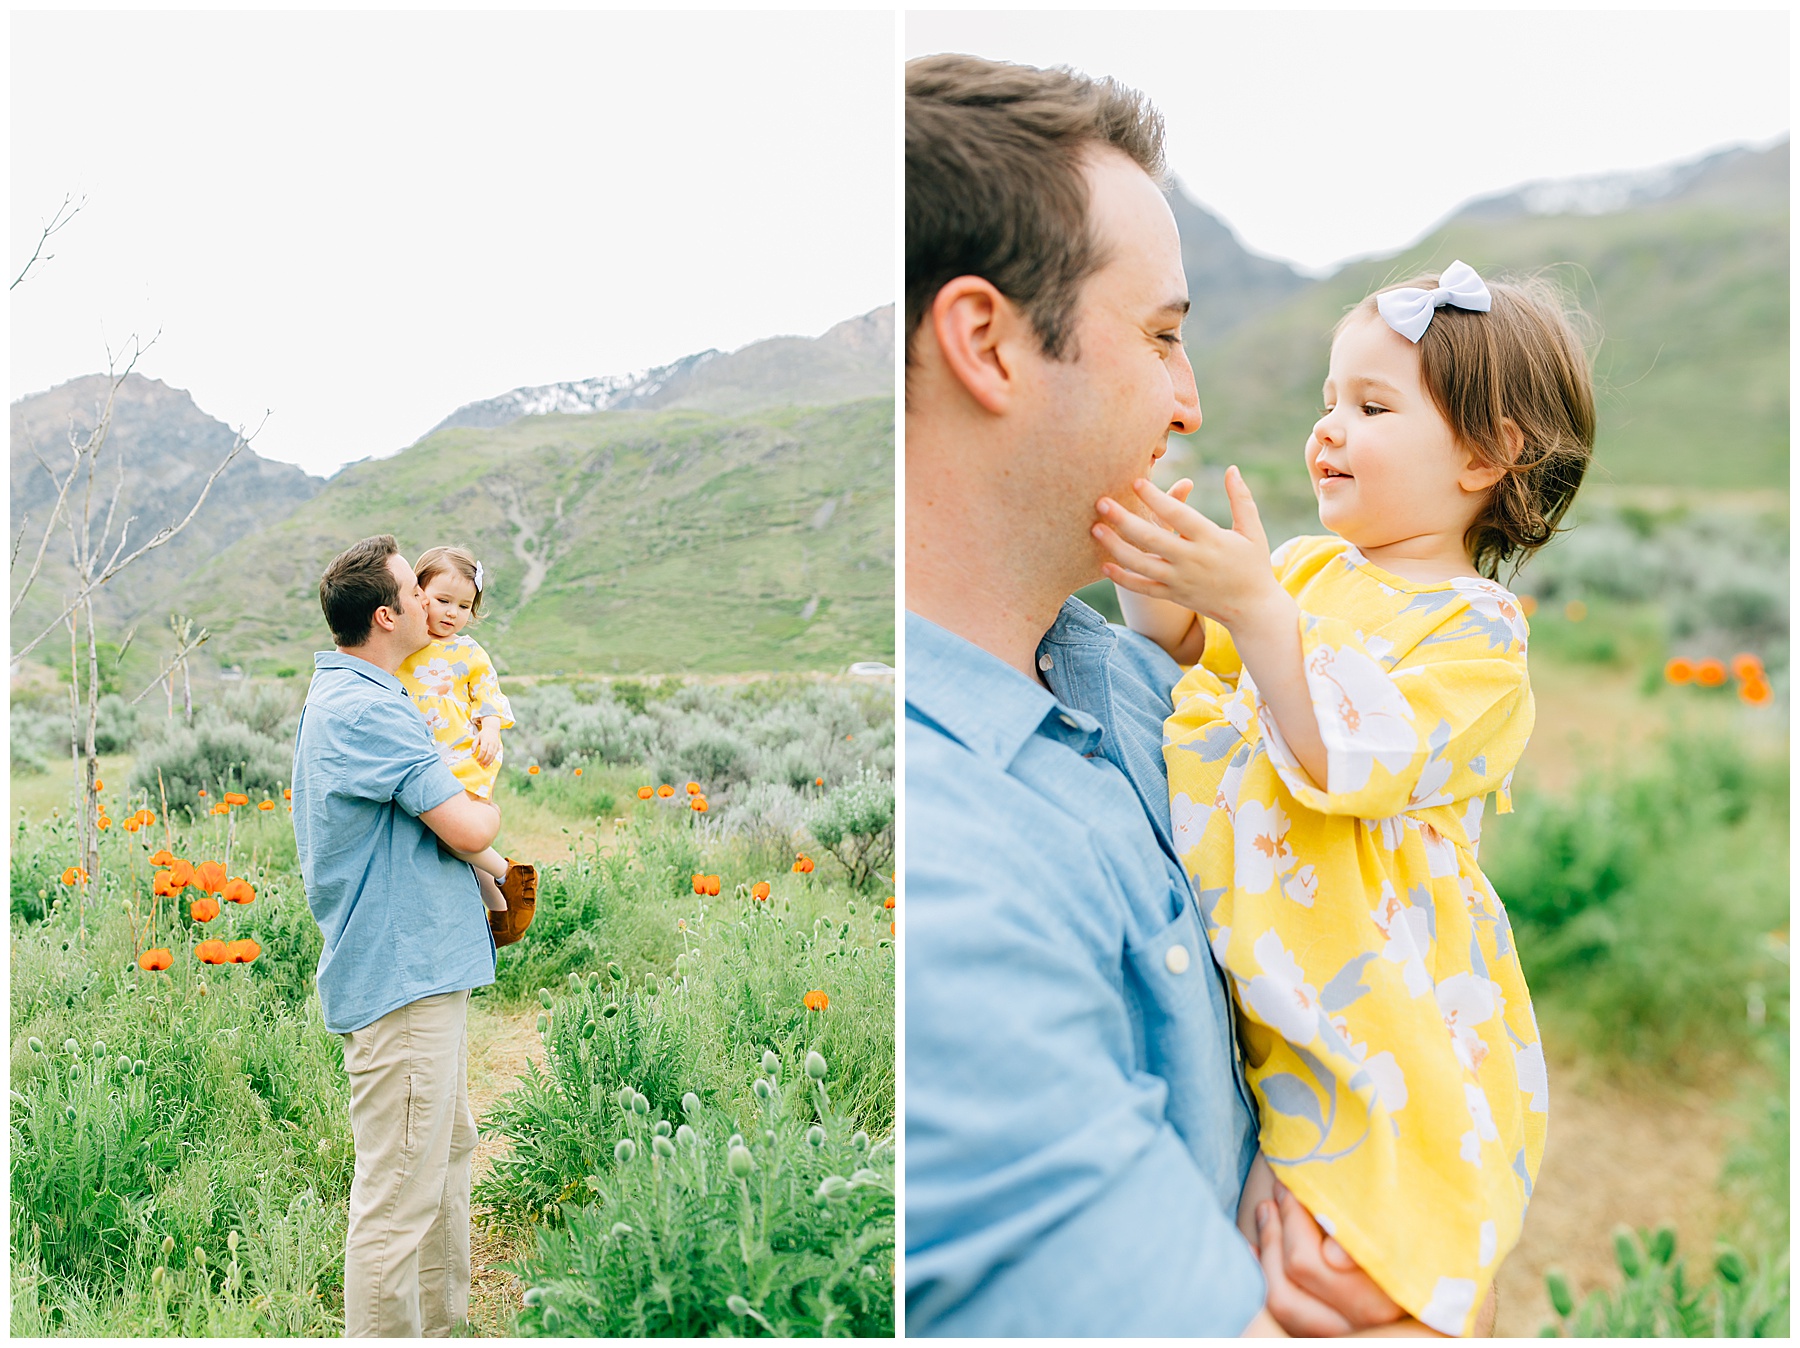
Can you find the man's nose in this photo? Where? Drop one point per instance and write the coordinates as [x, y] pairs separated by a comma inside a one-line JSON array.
[[1187, 395]]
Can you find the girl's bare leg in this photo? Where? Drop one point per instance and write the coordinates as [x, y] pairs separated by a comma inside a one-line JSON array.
[[1259, 1186], [490, 869]]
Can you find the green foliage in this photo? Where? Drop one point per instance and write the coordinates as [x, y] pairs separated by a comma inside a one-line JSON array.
[[216, 755], [1657, 1298], [1641, 900], [788, 1232], [855, 823]]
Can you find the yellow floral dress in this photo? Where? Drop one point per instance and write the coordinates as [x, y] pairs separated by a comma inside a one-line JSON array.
[[1383, 1015], [452, 683]]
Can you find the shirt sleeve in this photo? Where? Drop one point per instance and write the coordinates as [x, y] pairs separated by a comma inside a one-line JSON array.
[[485, 697], [1446, 722], [390, 756], [1047, 1191]]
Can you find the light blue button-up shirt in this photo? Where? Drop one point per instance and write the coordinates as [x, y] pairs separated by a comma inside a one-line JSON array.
[[402, 918], [1077, 1126]]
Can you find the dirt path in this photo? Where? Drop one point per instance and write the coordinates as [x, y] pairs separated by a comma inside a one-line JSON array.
[[500, 1044], [1614, 1156]]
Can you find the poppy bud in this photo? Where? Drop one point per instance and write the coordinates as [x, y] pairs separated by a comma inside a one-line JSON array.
[[231, 1241], [1625, 1246], [640, 1104], [859, 1141], [1731, 1266], [739, 1162], [618, 974], [543, 1023], [662, 1128], [621, 1229], [625, 1095], [650, 984], [71, 1047], [610, 1010], [124, 1065], [532, 1296], [687, 1136], [574, 981], [35, 1044], [623, 1150], [737, 1305], [770, 1063], [690, 1103], [588, 1029], [852, 907], [832, 1186], [815, 1136], [544, 998], [200, 1256], [1561, 1298], [761, 1087], [815, 1065], [139, 1067], [662, 1146]]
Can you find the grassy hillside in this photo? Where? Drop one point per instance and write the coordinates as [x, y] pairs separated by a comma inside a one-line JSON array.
[[1691, 302], [614, 542]]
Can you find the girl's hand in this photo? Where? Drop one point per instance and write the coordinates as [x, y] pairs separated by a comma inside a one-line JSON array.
[[487, 742], [1182, 556]]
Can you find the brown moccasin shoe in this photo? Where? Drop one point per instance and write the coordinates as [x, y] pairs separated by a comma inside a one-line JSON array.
[[519, 889]]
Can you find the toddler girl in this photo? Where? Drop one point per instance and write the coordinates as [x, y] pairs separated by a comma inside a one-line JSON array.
[[1352, 702], [452, 682]]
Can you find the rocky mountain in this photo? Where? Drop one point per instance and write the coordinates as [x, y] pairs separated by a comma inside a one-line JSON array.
[[1681, 273], [1227, 283], [169, 447], [854, 359]]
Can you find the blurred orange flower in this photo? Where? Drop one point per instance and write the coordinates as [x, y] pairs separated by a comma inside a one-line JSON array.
[[815, 1000], [888, 902], [1679, 670], [532, 770], [236, 798], [181, 875], [242, 952], [1710, 673], [645, 792], [104, 822], [99, 785], [74, 875], [578, 772], [265, 805], [287, 793], [145, 817], [1756, 692], [760, 891], [131, 825], [803, 864], [693, 788], [152, 960], [204, 909], [210, 952], [665, 790], [238, 890], [161, 857], [1746, 666], [698, 804]]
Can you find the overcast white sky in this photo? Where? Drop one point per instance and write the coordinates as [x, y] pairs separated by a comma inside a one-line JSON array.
[[362, 221], [1322, 136]]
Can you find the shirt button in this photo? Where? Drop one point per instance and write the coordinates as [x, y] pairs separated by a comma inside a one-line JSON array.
[[1176, 959], [1046, 663]]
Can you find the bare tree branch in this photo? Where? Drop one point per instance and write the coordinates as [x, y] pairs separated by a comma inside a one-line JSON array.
[[187, 648], [64, 213]]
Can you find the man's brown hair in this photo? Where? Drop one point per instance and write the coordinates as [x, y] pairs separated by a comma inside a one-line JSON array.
[[355, 584], [435, 561], [1522, 361], [994, 182]]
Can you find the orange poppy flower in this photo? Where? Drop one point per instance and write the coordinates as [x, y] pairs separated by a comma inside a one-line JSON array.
[[699, 883], [220, 807], [104, 822], [578, 772], [760, 891], [1746, 666], [1575, 611], [803, 864], [665, 790], [533, 769], [698, 805], [815, 1000], [162, 885], [1756, 692], [131, 825], [210, 952], [74, 875], [890, 929], [645, 792], [181, 874], [152, 960], [287, 793], [210, 876], [242, 952], [265, 805], [693, 788], [203, 791], [1679, 670], [713, 885], [99, 785], [145, 817], [238, 890], [888, 902], [236, 798], [161, 857], [818, 781], [1710, 673], [204, 909]]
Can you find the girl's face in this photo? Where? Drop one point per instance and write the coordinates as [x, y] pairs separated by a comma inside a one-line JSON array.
[[449, 603], [1385, 465]]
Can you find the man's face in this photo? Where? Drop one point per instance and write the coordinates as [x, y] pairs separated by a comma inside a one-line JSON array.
[[1106, 413], [409, 619]]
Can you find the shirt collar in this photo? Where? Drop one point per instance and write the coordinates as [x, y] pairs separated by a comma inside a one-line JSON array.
[[984, 702], [355, 664]]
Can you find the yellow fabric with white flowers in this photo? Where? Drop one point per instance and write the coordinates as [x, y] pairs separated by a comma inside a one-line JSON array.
[[453, 684], [1386, 1028]]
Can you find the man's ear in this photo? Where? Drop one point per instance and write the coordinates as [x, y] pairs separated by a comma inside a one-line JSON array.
[[977, 331], [384, 617], [1479, 476]]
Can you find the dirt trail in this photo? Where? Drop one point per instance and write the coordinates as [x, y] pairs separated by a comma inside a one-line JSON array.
[[1614, 1156], [500, 1044]]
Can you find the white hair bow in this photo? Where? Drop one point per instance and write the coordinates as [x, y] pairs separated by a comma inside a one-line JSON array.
[[478, 564], [1408, 310]]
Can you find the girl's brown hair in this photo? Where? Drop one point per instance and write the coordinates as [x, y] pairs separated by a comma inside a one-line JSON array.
[[1523, 362], [461, 560]]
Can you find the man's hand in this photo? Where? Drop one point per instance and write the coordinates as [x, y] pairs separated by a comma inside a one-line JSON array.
[[1315, 1287], [487, 741]]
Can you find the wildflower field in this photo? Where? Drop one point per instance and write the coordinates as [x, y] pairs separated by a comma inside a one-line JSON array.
[[699, 1139]]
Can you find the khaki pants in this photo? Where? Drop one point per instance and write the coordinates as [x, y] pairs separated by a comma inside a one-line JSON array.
[[406, 1256]]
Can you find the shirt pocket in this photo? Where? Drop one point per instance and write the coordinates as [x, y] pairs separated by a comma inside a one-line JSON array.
[[1185, 1036]]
